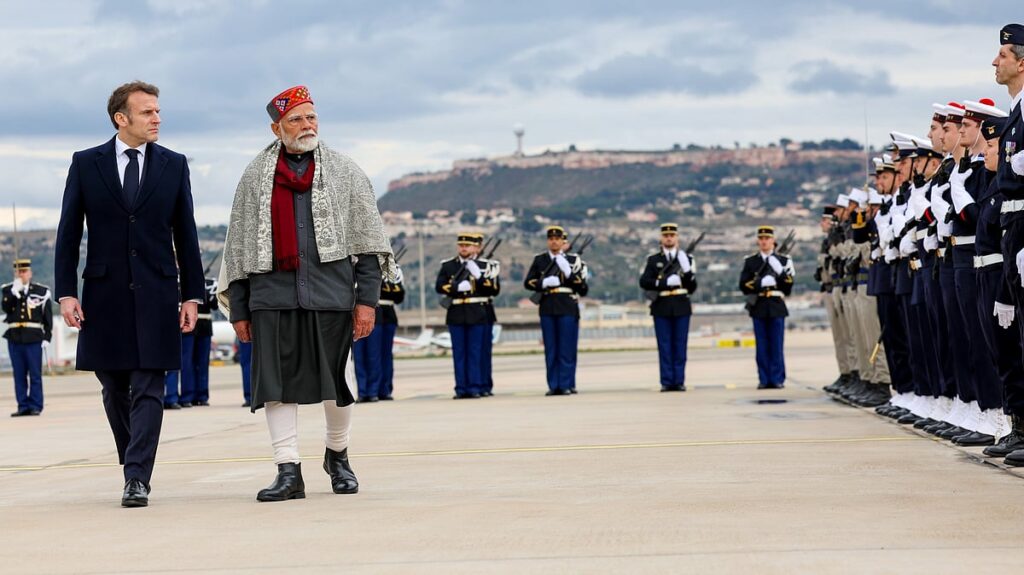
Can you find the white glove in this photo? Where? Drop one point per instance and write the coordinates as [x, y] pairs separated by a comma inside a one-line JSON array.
[[907, 245], [1020, 264], [550, 282], [46, 344], [899, 221], [876, 253], [931, 243], [958, 192], [398, 274], [563, 265], [775, 264], [919, 204], [768, 281], [473, 269], [684, 263], [1005, 314], [944, 229], [940, 207], [891, 255], [17, 287], [673, 281], [1017, 163], [464, 285]]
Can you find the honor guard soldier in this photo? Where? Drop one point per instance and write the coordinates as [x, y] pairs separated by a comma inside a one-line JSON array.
[[466, 293], [669, 279], [560, 279], [491, 273], [29, 328], [373, 355], [202, 342], [767, 278]]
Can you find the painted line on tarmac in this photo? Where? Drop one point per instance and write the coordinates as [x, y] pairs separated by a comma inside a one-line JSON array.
[[500, 450]]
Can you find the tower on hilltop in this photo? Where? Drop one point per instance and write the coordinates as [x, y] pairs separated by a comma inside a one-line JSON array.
[[519, 131]]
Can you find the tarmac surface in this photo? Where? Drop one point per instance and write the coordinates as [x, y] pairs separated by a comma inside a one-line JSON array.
[[619, 478]]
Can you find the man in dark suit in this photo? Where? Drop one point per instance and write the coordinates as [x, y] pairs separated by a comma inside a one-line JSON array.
[[136, 199], [669, 280], [767, 278]]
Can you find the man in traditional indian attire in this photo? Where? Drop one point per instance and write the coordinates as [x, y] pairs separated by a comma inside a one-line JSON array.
[[303, 263]]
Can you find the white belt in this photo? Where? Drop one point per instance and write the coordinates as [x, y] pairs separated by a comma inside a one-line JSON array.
[[962, 240], [772, 293], [671, 292], [385, 302], [982, 261], [559, 290], [205, 316], [28, 324], [1012, 206], [463, 300]]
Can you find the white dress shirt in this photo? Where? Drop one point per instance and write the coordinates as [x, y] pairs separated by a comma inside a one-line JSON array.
[[122, 158]]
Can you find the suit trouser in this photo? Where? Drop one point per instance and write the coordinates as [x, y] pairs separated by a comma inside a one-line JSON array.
[[859, 350], [1012, 242], [838, 334], [1003, 343], [894, 338], [133, 401], [486, 362], [842, 318], [945, 382], [367, 355], [961, 353], [466, 346], [387, 359], [561, 334], [769, 337], [870, 330], [27, 364], [987, 389], [672, 334], [245, 361], [919, 334]]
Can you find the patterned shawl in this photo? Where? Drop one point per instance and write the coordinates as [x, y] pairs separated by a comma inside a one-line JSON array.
[[345, 217]]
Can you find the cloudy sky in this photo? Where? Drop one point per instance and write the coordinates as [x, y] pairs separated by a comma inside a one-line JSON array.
[[412, 85]]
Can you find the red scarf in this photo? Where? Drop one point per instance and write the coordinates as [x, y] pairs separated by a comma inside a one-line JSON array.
[[282, 212]]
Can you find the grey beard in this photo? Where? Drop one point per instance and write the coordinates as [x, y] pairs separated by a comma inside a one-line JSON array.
[[300, 145]]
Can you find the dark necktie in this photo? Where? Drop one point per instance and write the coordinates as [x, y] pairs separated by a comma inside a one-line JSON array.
[[130, 187]]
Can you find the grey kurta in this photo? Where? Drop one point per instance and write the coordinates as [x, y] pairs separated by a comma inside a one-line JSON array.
[[302, 320]]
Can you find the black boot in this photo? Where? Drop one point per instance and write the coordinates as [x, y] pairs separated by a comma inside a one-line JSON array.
[[974, 439], [343, 479], [287, 485], [836, 385], [878, 394], [1010, 443]]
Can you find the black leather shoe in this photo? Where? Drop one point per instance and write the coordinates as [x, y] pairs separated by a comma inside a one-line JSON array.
[[559, 392], [171, 406], [247, 404], [287, 485], [185, 404], [974, 439], [343, 479], [935, 428], [908, 419], [667, 388], [572, 391], [466, 396], [923, 423], [951, 431], [486, 394], [1015, 459], [200, 404], [34, 412], [1006, 445], [20, 413], [136, 494], [389, 398], [367, 399]]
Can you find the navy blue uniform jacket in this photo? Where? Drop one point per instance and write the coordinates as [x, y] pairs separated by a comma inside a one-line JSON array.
[[130, 291]]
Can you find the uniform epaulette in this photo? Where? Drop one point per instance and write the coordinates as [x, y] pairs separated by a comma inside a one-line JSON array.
[[6, 285], [449, 260]]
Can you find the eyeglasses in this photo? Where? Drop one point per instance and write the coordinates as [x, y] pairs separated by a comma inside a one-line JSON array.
[[297, 120]]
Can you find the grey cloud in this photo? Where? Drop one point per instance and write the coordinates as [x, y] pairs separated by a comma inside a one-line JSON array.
[[632, 75], [818, 76]]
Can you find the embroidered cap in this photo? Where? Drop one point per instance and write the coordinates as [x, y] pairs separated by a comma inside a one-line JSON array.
[[287, 100]]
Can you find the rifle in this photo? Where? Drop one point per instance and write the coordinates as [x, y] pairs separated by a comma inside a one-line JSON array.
[[536, 296], [787, 245], [206, 271], [673, 267], [446, 302], [400, 252]]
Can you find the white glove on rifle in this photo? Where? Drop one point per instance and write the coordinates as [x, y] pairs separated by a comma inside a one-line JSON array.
[[473, 269], [1017, 163], [17, 287], [919, 204], [563, 265], [891, 255], [940, 207], [875, 254], [768, 281], [931, 243], [398, 274], [464, 286], [958, 190], [775, 264], [684, 263], [1020, 264], [907, 245], [550, 282], [1004, 313], [673, 281], [45, 343]]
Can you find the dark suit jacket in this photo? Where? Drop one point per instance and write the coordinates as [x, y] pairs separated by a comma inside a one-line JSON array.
[[765, 306], [130, 292], [653, 279]]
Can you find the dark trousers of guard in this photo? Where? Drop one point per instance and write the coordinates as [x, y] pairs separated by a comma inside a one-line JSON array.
[[186, 375], [133, 400], [466, 347], [977, 334], [1004, 344], [486, 360], [201, 367], [387, 359], [948, 371], [561, 334], [245, 361], [894, 338], [368, 353], [965, 354], [673, 334], [769, 335], [922, 354], [1012, 242], [27, 364]]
